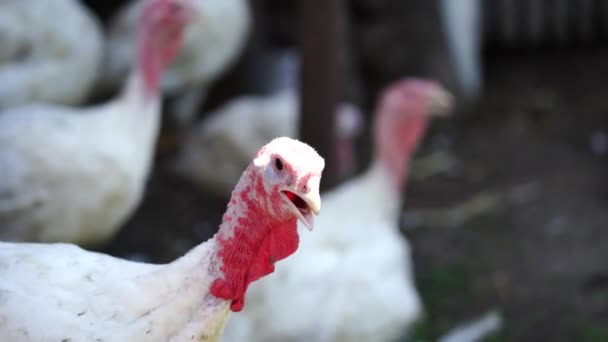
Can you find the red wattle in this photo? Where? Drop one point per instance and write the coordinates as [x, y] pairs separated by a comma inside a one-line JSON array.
[[258, 241]]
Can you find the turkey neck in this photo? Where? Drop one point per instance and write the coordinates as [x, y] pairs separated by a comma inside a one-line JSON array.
[[179, 306], [254, 234], [137, 112], [396, 143], [143, 84], [244, 249], [150, 62]]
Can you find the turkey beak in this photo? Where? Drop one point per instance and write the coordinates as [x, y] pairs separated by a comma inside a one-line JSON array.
[[441, 102], [313, 200], [305, 205]]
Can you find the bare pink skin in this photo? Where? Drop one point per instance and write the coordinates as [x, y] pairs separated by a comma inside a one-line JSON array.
[[259, 228], [160, 38], [401, 119]]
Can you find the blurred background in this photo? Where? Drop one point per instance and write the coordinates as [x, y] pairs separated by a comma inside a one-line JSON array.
[[505, 206]]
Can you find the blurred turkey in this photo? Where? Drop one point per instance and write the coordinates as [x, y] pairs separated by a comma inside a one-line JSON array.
[[352, 281], [215, 151], [213, 40], [75, 175], [49, 52]]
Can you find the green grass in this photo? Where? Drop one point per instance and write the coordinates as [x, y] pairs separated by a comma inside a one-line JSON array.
[[594, 333], [443, 282], [437, 286]]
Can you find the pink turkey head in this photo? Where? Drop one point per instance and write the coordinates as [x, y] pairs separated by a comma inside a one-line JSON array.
[[161, 29], [401, 119], [279, 188], [292, 174]]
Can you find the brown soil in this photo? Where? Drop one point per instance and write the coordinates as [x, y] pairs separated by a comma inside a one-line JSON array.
[[542, 262]]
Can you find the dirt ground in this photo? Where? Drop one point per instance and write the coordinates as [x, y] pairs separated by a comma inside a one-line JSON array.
[[540, 260]]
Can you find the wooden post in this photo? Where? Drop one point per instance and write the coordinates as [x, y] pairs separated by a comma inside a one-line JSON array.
[[318, 34], [105, 9]]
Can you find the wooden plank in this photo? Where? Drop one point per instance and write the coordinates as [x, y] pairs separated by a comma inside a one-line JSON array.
[[318, 35]]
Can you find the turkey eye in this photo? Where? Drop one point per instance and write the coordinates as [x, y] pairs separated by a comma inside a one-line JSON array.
[[278, 164]]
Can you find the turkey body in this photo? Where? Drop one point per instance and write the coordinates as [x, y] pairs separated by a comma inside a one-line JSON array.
[[51, 52], [72, 175], [213, 40]]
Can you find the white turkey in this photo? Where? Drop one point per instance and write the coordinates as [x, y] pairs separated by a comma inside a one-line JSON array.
[[213, 40], [76, 174], [60, 292], [216, 149], [353, 280], [50, 52]]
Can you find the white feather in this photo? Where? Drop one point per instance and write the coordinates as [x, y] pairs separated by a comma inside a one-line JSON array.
[[50, 52], [476, 330], [74, 175], [60, 292]]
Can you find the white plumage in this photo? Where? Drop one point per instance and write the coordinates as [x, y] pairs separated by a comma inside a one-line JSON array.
[[212, 42], [352, 280], [60, 292], [50, 52], [75, 175], [216, 149], [351, 283]]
